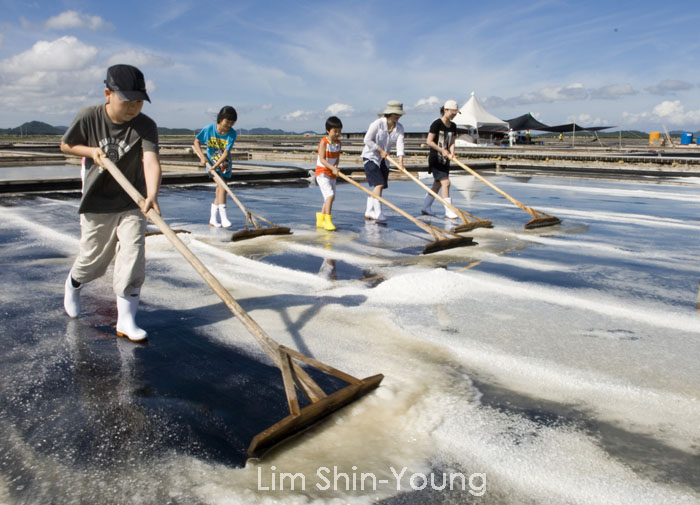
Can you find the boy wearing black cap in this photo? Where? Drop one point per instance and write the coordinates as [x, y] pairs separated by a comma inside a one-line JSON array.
[[111, 224]]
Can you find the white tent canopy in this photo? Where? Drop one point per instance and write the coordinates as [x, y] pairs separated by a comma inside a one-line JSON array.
[[474, 115]]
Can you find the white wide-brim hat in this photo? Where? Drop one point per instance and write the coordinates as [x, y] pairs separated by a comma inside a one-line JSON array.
[[394, 107]]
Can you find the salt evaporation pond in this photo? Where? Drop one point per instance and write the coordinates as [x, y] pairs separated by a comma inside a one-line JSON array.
[[555, 366]]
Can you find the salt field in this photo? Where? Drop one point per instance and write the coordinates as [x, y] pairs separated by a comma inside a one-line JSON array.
[[549, 366]]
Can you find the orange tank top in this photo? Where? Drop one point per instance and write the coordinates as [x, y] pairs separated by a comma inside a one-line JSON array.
[[332, 157]]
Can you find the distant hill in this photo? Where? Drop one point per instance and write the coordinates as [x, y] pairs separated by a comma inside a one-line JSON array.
[[34, 128], [629, 134], [678, 133], [268, 131], [39, 128], [240, 131], [176, 131]]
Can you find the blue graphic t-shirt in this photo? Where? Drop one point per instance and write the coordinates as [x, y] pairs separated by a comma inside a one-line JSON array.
[[216, 145]]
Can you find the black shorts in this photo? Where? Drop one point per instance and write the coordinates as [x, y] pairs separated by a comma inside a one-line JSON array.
[[377, 175], [439, 175]]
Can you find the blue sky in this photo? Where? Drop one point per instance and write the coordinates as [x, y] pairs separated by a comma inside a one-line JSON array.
[[290, 64]]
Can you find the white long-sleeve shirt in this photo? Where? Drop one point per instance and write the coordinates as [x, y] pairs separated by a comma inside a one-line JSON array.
[[378, 136]]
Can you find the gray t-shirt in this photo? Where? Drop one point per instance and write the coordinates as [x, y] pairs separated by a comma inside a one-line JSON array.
[[124, 143]]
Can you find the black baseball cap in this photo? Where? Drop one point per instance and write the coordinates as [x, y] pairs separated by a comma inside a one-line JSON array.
[[127, 81]]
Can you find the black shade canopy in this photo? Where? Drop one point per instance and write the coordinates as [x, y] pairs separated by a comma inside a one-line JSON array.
[[573, 127], [526, 122]]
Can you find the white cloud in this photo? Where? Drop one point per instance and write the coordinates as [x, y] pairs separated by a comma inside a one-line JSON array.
[[64, 54], [675, 113], [51, 78], [340, 108], [570, 92], [430, 104], [138, 58], [587, 120], [1, 37], [174, 11], [74, 19], [493, 102], [631, 118], [298, 115], [668, 113], [266, 106], [669, 87], [575, 91], [613, 91], [669, 109]]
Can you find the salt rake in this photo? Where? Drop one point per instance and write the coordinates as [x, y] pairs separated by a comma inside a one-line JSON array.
[[539, 220], [250, 218], [287, 360], [443, 239], [469, 221]]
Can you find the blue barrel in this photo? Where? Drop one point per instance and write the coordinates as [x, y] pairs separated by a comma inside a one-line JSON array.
[[686, 138]]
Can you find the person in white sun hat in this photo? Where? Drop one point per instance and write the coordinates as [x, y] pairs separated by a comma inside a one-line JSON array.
[[441, 140], [381, 135]]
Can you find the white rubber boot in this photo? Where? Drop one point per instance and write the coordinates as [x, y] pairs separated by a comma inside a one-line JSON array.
[[71, 298], [126, 318], [214, 216], [224, 219], [369, 211], [449, 214], [377, 205], [427, 205]]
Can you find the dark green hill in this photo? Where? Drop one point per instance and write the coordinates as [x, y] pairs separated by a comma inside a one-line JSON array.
[[176, 131], [39, 128], [34, 128]]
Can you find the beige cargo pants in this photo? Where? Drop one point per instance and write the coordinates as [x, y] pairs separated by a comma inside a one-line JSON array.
[[121, 236]]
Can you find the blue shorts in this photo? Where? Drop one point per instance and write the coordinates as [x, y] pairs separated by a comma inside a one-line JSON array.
[[225, 175], [377, 175]]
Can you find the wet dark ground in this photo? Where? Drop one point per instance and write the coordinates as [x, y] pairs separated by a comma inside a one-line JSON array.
[[77, 402]]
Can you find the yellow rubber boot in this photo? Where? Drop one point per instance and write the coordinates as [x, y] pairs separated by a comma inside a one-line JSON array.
[[327, 223], [319, 219]]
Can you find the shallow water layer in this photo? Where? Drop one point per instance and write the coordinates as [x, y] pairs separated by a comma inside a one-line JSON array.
[[42, 172], [556, 365]]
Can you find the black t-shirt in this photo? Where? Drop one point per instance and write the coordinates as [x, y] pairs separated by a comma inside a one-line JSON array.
[[443, 138], [124, 143]]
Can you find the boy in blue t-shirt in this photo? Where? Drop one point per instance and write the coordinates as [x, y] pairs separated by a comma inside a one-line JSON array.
[[219, 139]]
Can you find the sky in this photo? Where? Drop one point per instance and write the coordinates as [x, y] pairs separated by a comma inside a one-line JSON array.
[[291, 64]]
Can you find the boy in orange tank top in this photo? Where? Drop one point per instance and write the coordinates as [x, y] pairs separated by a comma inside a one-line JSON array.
[[327, 170]]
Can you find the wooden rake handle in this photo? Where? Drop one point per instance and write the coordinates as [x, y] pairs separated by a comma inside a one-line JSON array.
[[249, 215], [462, 215], [269, 346], [223, 185], [437, 233], [527, 209]]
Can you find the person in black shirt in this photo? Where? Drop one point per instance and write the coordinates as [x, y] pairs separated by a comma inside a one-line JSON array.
[[441, 140]]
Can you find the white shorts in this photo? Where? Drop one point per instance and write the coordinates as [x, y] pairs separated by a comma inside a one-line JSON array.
[[326, 184]]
